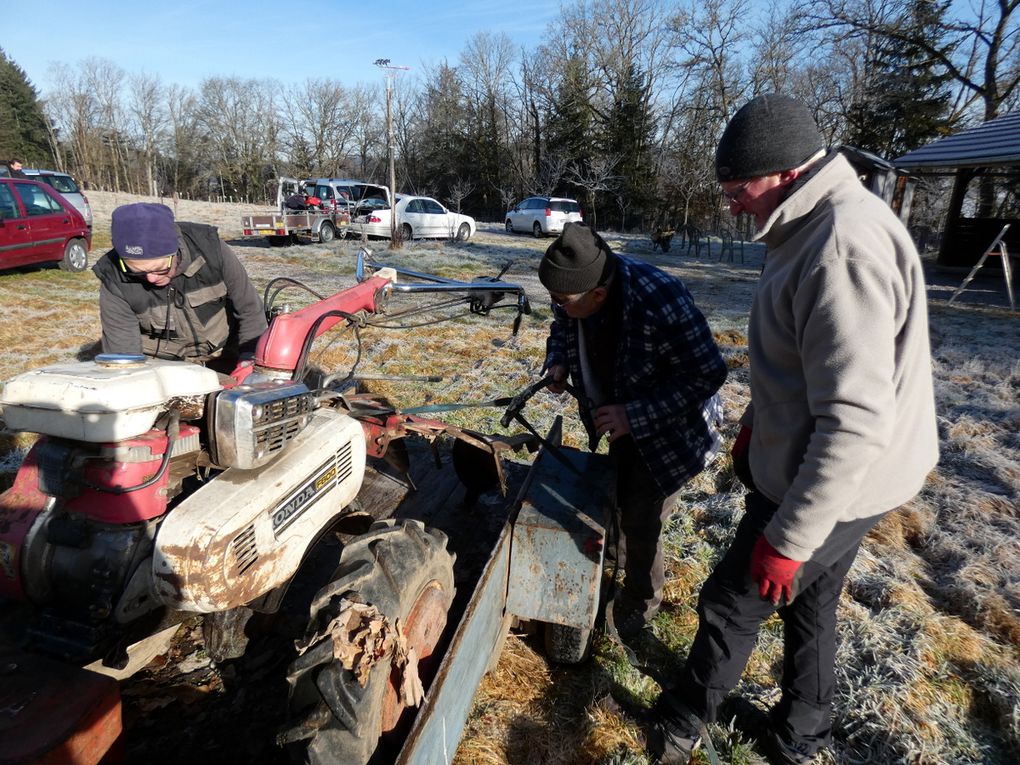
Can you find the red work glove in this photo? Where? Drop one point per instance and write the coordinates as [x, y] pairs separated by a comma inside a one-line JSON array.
[[773, 571], [741, 456]]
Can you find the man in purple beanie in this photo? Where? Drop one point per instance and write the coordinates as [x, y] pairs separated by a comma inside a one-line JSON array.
[[175, 291]]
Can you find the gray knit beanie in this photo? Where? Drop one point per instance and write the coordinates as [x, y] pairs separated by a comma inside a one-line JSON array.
[[769, 134], [579, 260]]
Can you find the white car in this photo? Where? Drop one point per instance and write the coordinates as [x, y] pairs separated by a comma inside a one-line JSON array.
[[417, 218], [542, 216]]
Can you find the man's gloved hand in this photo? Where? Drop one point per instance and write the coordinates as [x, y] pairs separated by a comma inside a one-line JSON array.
[[741, 456], [773, 571]]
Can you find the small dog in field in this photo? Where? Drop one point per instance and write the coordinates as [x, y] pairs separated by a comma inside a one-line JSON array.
[[662, 238]]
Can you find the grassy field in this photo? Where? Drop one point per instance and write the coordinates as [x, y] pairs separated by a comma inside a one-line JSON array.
[[928, 664]]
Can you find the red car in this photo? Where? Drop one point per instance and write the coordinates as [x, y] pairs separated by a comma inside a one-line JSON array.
[[37, 225]]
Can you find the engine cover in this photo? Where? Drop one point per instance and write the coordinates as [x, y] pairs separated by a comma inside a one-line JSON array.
[[246, 532], [252, 423], [109, 399]]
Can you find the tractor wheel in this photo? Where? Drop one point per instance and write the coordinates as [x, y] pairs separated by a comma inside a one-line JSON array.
[[406, 572], [567, 645]]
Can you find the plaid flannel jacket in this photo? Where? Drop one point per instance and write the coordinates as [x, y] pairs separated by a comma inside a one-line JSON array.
[[667, 371]]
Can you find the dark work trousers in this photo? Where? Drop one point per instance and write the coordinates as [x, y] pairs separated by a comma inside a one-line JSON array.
[[643, 510], [730, 612]]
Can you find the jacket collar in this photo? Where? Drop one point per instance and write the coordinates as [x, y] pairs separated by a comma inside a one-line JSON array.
[[805, 194]]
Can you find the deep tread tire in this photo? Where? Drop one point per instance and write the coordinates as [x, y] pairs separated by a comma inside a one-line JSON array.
[[567, 645], [395, 565], [76, 256]]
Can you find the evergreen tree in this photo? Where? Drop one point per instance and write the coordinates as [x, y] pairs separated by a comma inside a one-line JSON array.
[[906, 101], [571, 125], [628, 136], [22, 123]]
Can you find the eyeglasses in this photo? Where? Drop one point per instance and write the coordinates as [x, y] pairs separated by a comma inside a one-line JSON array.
[[135, 274], [734, 196], [562, 300]]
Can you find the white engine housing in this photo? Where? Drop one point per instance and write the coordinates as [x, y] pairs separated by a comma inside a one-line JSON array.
[[246, 532], [103, 401]]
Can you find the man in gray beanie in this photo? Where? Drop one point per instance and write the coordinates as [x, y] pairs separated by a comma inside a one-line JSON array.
[[630, 337], [839, 432]]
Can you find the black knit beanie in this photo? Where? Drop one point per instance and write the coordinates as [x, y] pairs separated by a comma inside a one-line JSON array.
[[579, 260], [769, 134]]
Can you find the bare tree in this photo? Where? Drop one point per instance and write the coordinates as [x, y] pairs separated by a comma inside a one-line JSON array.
[[549, 174], [105, 80], [146, 105], [73, 107], [459, 190], [183, 142], [708, 36], [319, 113], [595, 177], [240, 120]]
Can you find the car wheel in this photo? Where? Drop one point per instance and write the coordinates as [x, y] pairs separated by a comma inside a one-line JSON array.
[[464, 232], [406, 233], [509, 226], [537, 230], [326, 232], [76, 256]]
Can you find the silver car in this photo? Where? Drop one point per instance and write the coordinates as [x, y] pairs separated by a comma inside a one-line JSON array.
[[543, 216], [67, 188]]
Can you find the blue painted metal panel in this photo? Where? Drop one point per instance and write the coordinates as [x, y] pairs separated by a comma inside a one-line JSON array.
[[440, 722], [559, 539]]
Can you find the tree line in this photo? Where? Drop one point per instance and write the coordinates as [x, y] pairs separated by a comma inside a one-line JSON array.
[[621, 107]]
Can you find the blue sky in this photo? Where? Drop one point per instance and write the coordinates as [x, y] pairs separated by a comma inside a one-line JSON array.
[[184, 41]]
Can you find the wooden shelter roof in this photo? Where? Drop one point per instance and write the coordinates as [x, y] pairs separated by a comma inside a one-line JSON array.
[[995, 143]]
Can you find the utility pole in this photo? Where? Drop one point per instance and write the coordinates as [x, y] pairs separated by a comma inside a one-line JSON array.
[[391, 72]]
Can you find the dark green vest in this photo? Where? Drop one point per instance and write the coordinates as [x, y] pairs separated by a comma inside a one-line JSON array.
[[190, 318]]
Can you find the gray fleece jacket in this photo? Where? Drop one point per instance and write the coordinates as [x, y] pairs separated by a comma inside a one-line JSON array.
[[842, 404]]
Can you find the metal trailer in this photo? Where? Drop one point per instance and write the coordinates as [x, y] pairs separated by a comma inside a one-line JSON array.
[[546, 567], [283, 228]]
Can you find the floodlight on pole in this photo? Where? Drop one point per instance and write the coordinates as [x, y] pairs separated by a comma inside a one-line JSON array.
[[391, 72]]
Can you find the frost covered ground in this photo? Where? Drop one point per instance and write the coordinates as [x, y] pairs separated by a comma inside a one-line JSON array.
[[929, 664]]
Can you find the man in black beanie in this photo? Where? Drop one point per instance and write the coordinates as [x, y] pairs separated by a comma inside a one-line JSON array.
[[839, 432], [630, 337]]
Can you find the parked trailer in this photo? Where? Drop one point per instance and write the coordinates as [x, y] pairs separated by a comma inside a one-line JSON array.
[[283, 228]]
